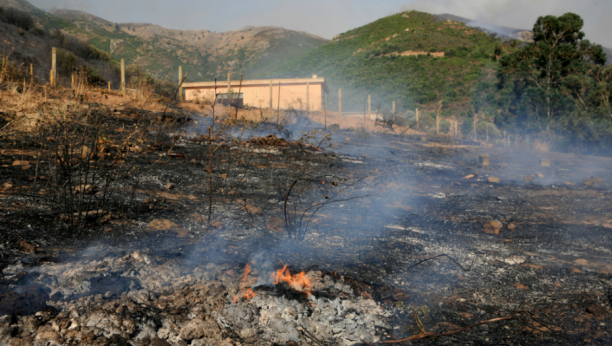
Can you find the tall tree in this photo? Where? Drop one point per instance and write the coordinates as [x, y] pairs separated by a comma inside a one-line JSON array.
[[558, 53]]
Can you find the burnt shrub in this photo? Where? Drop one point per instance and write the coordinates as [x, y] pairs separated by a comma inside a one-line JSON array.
[[8, 70], [38, 32], [17, 18], [66, 61], [94, 76]]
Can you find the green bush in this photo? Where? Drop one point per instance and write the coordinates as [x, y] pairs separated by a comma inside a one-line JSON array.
[[467, 127], [483, 126], [445, 126], [427, 123]]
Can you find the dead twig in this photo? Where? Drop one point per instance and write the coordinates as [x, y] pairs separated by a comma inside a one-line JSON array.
[[531, 316], [312, 337], [436, 335], [447, 256]]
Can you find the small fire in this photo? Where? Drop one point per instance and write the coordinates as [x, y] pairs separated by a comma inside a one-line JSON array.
[[299, 282], [247, 293]]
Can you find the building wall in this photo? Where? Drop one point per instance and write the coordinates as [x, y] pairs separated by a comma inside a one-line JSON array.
[[258, 95]]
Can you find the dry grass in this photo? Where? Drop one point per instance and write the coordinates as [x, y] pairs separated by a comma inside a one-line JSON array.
[[8, 70], [141, 95]]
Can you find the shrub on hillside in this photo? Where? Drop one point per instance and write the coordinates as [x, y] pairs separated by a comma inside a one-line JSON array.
[[18, 18], [66, 61], [80, 48], [484, 127], [38, 31], [444, 126], [406, 119], [93, 75], [8, 71], [467, 127]]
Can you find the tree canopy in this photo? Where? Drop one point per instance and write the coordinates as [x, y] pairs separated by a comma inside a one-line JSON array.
[[554, 68]]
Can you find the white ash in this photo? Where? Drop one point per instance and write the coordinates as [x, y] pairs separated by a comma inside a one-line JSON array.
[[169, 303]]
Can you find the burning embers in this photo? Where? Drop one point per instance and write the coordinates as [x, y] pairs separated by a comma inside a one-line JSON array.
[[247, 293], [298, 282]]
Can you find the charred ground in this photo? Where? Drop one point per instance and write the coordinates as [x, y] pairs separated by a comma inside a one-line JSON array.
[[149, 266]]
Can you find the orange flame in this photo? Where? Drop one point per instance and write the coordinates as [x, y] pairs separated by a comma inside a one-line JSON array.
[[245, 292], [299, 282]]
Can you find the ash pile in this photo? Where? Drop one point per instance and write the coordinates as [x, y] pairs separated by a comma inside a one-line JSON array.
[[138, 299]]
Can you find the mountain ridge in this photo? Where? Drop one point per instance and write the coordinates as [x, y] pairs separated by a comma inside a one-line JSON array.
[[206, 54]]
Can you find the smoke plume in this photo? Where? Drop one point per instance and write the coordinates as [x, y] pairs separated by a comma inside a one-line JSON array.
[[522, 14]]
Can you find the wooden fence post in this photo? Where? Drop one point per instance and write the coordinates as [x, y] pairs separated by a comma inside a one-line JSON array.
[[53, 66], [271, 104], [307, 96], [417, 119], [325, 107], [229, 90], [180, 91], [123, 76], [278, 114]]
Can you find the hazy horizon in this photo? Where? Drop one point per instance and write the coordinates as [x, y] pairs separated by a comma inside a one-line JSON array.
[[327, 19]]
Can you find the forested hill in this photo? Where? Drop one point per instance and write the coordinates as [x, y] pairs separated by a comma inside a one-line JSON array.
[[412, 58]]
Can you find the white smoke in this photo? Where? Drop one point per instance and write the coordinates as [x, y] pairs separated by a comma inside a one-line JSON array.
[[522, 14]]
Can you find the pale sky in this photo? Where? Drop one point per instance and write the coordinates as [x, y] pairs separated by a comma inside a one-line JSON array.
[[327, 18]]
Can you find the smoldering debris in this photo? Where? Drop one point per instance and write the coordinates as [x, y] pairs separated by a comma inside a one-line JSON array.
[[142, 299]]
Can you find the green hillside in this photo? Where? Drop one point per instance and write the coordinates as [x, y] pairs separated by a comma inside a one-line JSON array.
[[369, 60]]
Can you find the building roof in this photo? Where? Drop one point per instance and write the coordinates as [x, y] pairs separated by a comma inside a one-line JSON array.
[[262, 82]]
